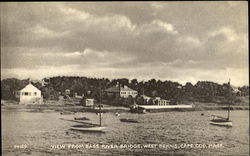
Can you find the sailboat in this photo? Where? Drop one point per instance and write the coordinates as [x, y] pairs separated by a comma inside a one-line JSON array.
[[222, 121], [91, 127]]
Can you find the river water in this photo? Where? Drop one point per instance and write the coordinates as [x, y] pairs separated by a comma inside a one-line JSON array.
[[165, 133]]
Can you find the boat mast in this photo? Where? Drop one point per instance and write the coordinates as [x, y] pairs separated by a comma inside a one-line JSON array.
[[100, 114], [230, 99]]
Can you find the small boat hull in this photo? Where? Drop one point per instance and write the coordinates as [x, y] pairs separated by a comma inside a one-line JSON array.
[[138, 110], [81, 118], [67, 113], [87, 129], [129, 120], [222, 123]]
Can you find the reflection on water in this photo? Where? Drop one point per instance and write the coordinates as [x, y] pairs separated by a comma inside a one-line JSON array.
[[41, 132]]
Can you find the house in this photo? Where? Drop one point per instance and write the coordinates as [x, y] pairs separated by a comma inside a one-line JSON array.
[[29, 95], [126, 91], [161, 102], [89, 102], [121, 91], [157, 100], [235, 90], [67, 92], [45, 82], [79, 96]]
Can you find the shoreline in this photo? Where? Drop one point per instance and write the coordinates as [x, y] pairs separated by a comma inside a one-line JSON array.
[[107, 108]]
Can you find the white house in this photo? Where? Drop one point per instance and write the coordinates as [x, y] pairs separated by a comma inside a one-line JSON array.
[[29, 95], [161, 102], [157, 100], [67, 92], [79, 96], [126, 91], [89, 102], [121, 91]]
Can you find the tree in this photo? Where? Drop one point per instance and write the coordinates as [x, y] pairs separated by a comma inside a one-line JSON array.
[[150, 102], [154, 93], [139, 100], [130, 100]]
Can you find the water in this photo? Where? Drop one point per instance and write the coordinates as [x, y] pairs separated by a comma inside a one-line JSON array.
[[40, 131]]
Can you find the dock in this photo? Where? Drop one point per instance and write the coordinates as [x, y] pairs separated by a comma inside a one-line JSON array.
[[147, 107]]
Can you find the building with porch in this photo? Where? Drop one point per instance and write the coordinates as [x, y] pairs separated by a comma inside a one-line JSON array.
[[29, 95]]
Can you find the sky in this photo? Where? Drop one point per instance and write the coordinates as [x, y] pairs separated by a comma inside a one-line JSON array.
[[177, 41]]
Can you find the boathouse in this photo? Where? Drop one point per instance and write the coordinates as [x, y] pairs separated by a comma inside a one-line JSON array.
[[29, 95]]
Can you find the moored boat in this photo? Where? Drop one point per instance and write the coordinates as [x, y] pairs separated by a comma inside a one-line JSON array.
[[128, 120], [67, 113], [81, 118], [220, 121], [87, 128], [137, 109]]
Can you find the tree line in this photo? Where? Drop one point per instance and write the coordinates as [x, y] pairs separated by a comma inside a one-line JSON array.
[[204, 91]]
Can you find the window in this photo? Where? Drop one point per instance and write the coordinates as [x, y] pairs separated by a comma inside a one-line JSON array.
[[35, 93], [26, 93]]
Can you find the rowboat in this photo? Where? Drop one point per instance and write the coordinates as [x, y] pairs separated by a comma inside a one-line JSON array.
[[87, 128], [82, 118], [67, 113], [128, 120]]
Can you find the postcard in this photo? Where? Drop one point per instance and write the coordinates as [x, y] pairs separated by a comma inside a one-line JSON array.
[[125, 78]]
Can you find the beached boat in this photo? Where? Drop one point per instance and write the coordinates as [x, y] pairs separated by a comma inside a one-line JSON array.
[[222, 121], [128, 120]]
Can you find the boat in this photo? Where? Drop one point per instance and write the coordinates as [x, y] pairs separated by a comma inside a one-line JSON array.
[[222, 121], [88, 127], [81, 118], [128, 120], [137, 109], [67, 113], [81, 122]]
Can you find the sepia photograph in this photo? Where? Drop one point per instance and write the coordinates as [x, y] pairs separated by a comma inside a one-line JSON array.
[[124, 78]]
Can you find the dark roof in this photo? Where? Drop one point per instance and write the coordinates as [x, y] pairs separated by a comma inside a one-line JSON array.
[[113, 89], [116, 89]]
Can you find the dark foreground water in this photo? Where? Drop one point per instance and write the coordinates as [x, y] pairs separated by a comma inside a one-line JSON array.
[[166, 133]]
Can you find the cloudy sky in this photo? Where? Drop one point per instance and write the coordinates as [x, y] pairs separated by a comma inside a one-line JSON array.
[[178, 41]]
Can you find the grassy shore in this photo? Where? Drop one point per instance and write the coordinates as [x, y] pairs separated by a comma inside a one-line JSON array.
[[58, 107]]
